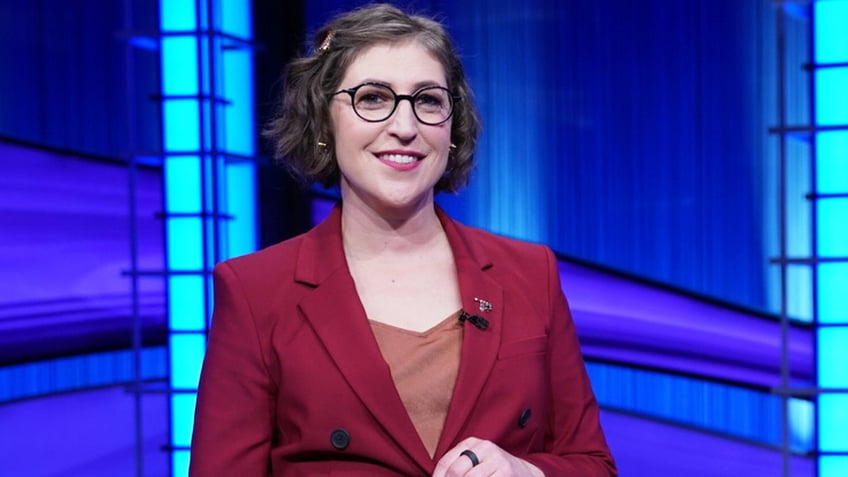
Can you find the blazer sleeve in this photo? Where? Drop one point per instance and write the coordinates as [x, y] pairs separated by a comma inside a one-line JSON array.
[[574, 442], [234, 417]]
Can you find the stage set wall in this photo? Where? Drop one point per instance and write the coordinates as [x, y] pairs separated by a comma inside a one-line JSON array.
[[630, 136], [613, 131]]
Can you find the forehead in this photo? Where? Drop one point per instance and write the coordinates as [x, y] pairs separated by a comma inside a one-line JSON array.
[[397, 64]]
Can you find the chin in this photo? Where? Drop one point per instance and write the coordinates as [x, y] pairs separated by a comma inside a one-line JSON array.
[[405, 202]]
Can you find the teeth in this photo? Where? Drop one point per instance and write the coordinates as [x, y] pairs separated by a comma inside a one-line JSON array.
[[398, 158]]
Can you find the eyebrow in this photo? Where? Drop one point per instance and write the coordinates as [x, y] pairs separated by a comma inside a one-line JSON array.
[[417, 86]]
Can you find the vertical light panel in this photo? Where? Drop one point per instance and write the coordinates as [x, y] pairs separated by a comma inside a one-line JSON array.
[[237, 87], [830, 77], [209, 173], [185, 182]]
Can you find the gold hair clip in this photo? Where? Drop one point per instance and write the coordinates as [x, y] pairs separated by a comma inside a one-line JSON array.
[[325, 45]]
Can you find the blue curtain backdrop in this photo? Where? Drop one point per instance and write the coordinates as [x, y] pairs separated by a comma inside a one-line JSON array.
[[632, 134], [629, 133], [67, 80]]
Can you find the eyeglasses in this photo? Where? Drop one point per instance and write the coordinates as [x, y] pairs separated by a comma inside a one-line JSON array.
[[375, 102]]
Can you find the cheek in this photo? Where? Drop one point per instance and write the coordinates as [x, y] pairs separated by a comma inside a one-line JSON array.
[[441, 139], [337, 122], [346, 134]]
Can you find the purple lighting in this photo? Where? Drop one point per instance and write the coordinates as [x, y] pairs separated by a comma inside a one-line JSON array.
[[65, 248], [627, 321]]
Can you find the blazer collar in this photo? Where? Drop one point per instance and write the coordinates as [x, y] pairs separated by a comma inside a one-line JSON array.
[[482, 296], [336, 314]]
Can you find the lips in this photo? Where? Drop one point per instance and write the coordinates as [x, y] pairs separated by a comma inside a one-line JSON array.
[[399, 158]]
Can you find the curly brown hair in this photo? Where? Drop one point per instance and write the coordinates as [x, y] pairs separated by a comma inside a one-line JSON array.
[[303, 119]]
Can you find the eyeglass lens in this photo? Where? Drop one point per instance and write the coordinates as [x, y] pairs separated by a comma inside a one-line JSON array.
[[375, 102]]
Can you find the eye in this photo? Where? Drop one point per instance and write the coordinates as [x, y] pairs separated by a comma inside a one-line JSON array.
[[431, 100], [373, 97]]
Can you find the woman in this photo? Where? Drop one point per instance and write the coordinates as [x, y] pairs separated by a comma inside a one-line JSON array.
[[391, 340]]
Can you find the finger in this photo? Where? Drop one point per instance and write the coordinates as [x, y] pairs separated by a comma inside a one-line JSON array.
[[454, 468], [453, 463], [472, 456]]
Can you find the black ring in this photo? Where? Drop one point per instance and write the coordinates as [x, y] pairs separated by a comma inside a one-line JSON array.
[[471, 455]]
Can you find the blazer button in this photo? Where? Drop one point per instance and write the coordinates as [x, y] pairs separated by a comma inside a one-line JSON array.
[[340, 439], [524, 418]]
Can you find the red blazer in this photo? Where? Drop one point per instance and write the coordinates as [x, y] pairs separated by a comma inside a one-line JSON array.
[[294, 383]]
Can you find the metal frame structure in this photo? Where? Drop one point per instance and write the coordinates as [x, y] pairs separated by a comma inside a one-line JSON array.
[[209, 207], [823, 261]]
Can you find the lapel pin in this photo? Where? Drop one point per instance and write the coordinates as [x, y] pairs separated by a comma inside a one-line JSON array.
[[484, 305]]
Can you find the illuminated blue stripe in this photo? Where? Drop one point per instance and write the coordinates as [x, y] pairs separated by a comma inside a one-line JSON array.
[[241, 176], [833, 466], [239, 91], [832, 155], [833, 431], [177, 15], [831, 36], [182, 120], [179, 462], [79, 372], [187, 351], [185, 243], [179, 54], [831, 106], [832, 235], [831, 100], [206, 221], [182, 404], [187, 303], [184, 186], [241, 199], [832, 358], [241, 183], [713, 406], [832, 293], [236, 18], [183, 182]]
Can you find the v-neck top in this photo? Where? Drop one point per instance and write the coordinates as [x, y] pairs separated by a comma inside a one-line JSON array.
[[424, 366]]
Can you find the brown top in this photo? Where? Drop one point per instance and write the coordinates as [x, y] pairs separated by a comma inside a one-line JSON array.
[[424, 367]]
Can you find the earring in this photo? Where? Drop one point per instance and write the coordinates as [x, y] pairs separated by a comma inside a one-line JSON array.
[[322, 145]]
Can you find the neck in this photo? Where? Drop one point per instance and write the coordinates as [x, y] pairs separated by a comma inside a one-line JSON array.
[[369, 234]]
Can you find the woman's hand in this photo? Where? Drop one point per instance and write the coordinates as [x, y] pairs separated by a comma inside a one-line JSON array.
[[492, 461]]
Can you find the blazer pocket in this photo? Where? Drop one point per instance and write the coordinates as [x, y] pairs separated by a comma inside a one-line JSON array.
[[527, 346]]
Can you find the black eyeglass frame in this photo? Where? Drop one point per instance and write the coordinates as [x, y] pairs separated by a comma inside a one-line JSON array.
[[452, 98]]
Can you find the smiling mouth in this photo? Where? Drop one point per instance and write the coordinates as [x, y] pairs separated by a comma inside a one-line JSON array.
[[399, 158]]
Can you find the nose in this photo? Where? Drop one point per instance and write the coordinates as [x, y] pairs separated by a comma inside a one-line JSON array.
[[403, 122]]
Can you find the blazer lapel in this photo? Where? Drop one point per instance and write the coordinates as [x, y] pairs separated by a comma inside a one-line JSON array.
[[479, 346], [336, 314]]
